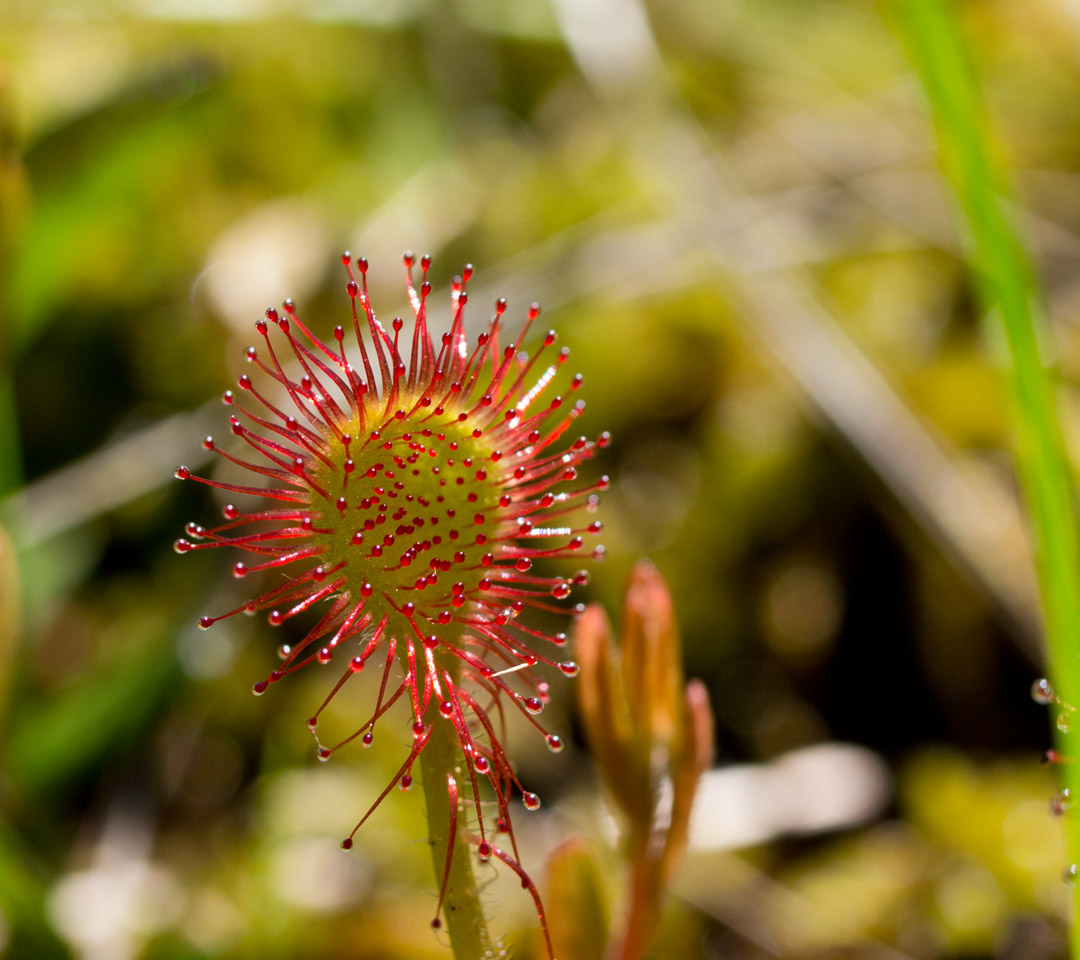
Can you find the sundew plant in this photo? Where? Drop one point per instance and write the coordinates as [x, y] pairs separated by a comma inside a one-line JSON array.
[[418, 491]]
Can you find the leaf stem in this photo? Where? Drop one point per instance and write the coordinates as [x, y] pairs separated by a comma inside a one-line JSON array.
[[645, 857], [462, 910]]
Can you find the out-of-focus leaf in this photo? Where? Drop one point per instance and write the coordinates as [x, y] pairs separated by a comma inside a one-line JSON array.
[[10, 612], [64, 737], [577, 910], [52, 570], [606, 713], [13, 198], [22, 896], [695, 753]]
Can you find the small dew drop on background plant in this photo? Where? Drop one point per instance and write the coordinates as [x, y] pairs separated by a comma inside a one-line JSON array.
[[414, 484]]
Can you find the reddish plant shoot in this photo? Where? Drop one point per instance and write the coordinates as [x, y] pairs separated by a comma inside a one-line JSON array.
[[413, 488]]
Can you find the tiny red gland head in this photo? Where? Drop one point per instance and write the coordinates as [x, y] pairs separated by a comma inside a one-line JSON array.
[[413, 489]]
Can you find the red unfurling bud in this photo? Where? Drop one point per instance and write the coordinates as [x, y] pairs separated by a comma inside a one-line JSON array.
[[650, 733]]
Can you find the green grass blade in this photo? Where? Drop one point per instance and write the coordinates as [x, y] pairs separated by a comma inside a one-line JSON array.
[[1008, 287]]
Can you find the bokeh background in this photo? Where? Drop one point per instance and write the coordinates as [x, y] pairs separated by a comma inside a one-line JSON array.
[[733, 214]]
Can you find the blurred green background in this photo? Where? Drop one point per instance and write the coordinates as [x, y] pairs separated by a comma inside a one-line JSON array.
[[732, 213]]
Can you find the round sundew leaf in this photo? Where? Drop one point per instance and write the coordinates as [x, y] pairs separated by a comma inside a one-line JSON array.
[[408, 490]]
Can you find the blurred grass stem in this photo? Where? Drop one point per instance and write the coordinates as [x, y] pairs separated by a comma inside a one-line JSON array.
[[1006, 282]]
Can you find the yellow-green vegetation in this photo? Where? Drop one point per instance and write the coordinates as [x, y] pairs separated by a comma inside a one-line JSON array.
[[789, 314]]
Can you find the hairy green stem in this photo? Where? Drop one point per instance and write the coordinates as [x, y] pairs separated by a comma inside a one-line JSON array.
[[462, 911], [938, 49]]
